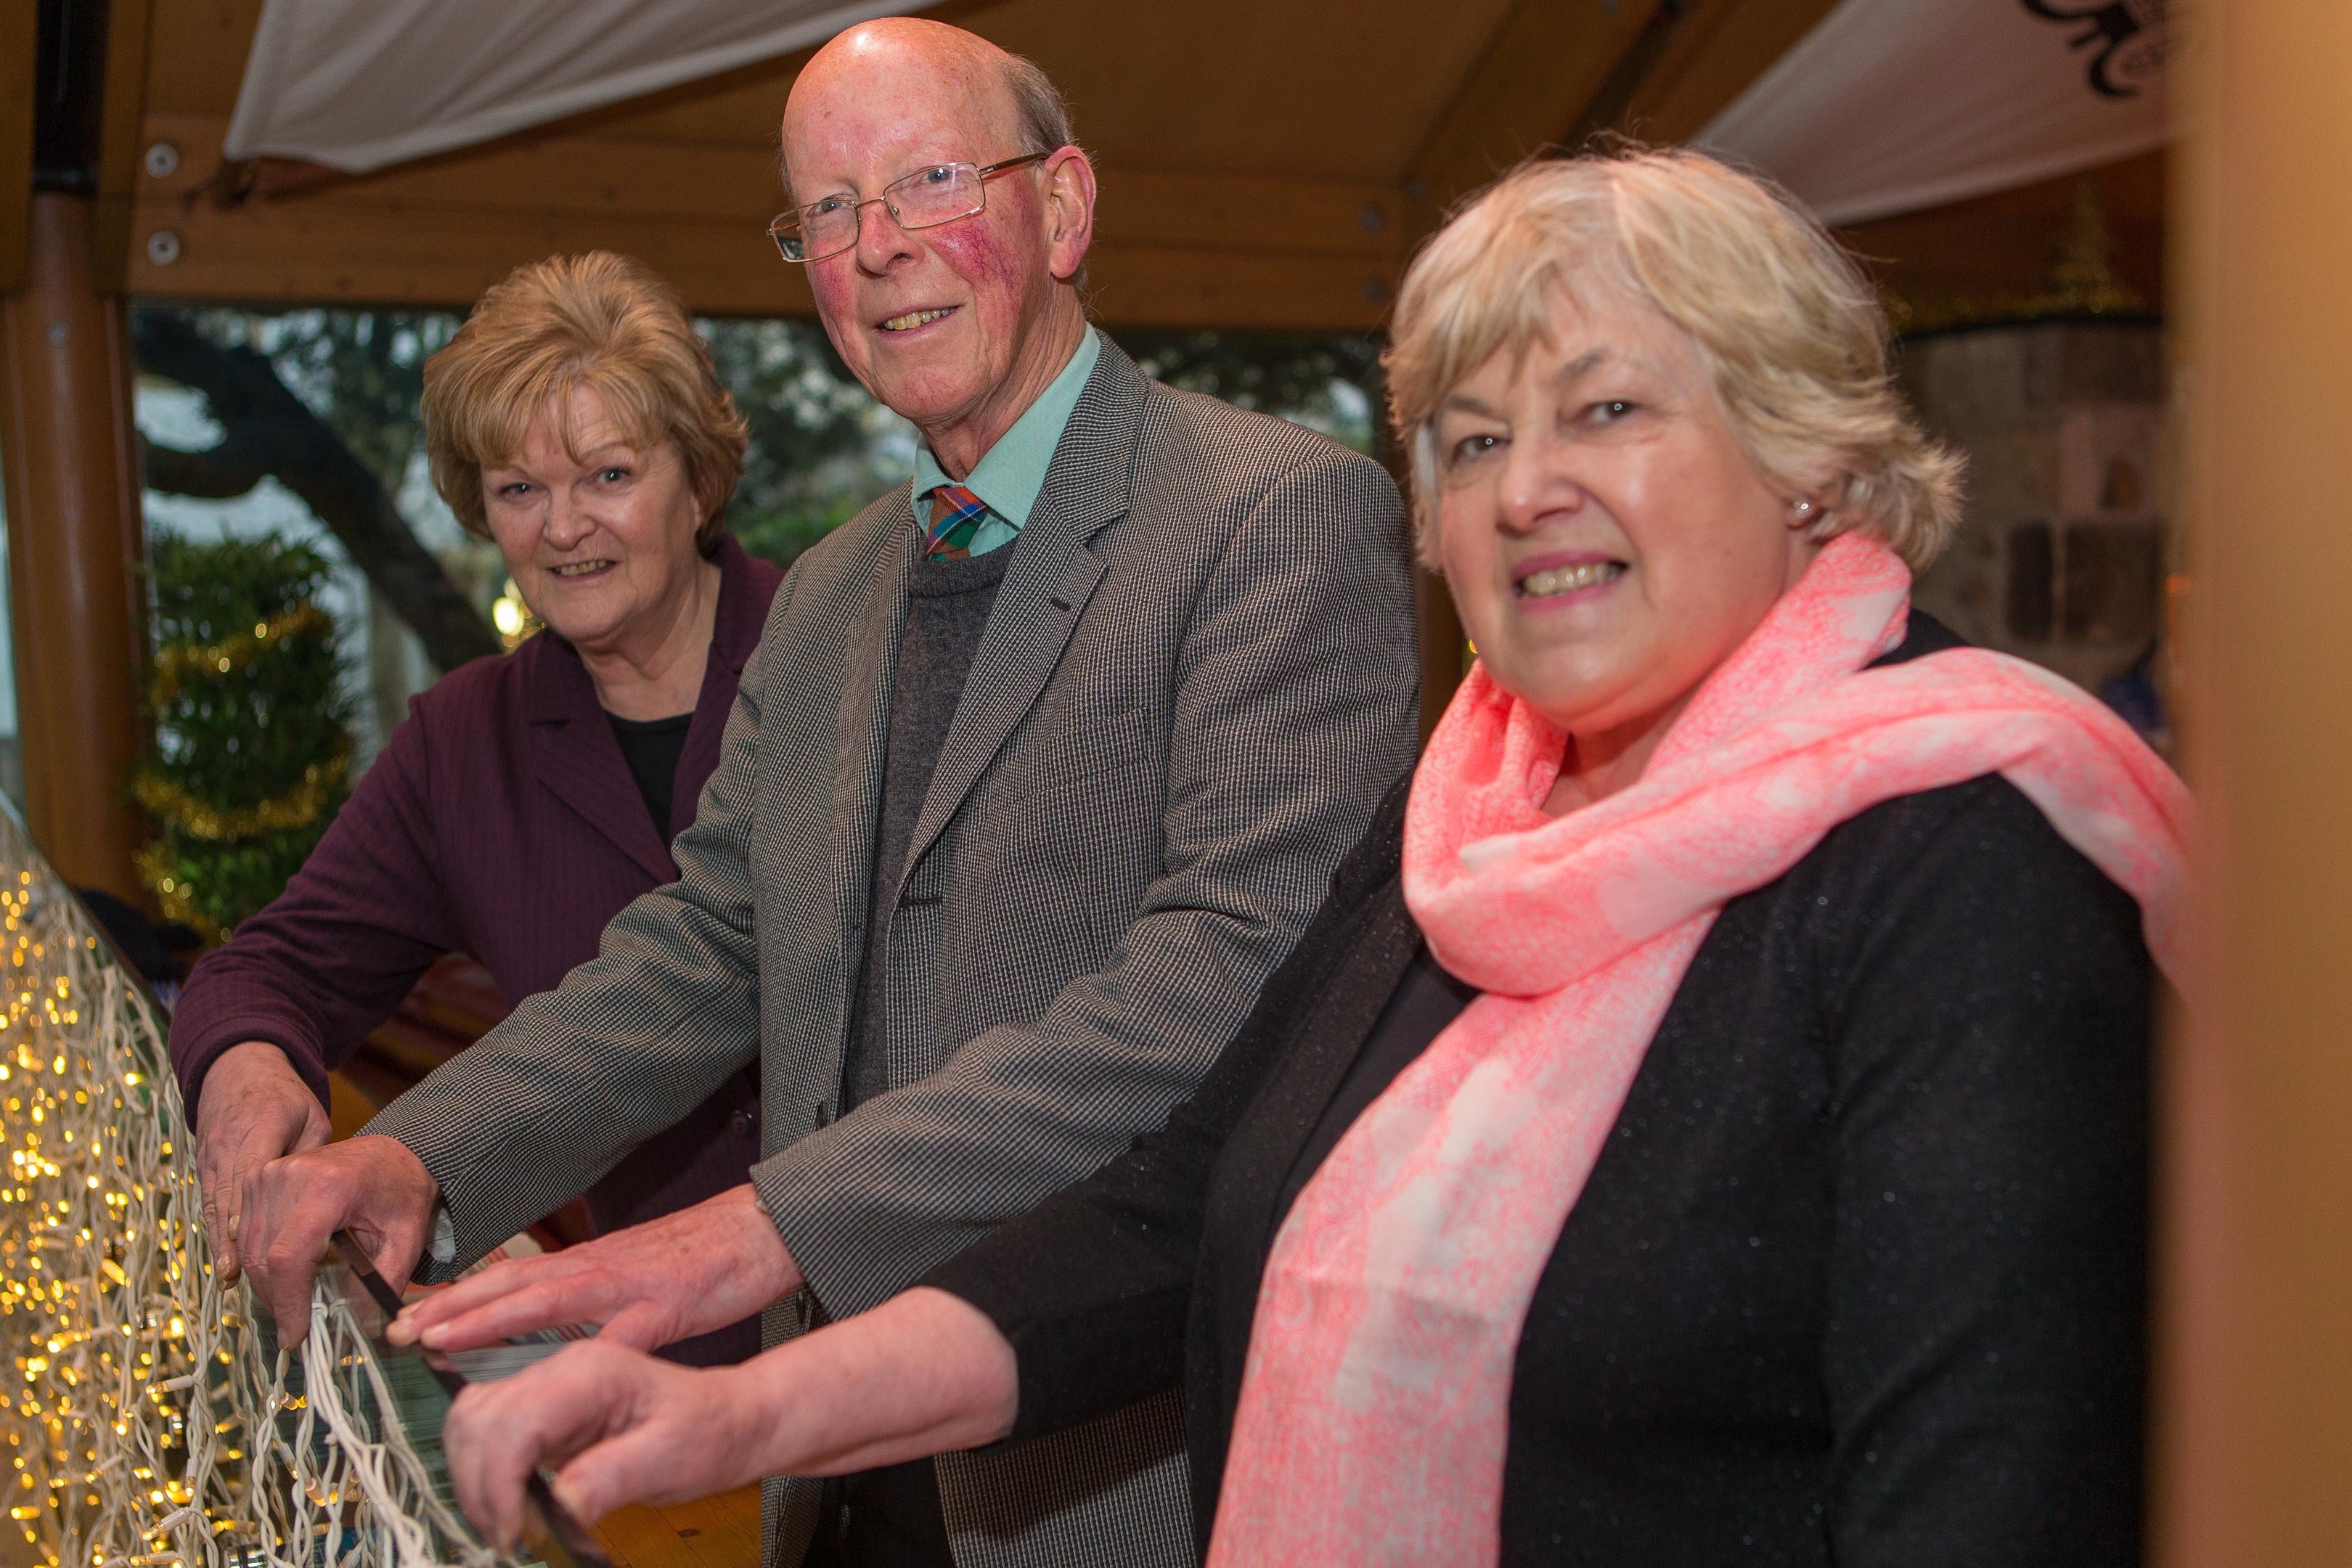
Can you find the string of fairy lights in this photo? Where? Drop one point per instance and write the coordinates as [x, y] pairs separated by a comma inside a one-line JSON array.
[[149, 1422]]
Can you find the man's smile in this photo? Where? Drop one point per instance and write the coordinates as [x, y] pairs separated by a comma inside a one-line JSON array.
[[914, 319]]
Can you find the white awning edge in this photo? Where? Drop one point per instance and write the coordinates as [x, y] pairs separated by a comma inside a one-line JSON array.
[[357, 85], [1891, 106]]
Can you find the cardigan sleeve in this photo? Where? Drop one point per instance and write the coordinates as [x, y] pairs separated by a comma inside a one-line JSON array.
[[1988, 1010], [331, 957], [1092, 1287]]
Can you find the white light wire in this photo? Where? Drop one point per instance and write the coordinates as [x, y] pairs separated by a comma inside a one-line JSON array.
[[147, 1424]]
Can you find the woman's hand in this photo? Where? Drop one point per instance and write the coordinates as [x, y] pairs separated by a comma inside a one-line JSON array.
[[649, 1285], [924, 1374], [257, 1108], [634, 1428]]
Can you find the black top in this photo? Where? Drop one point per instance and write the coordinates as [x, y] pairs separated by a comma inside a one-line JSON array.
[[1859, 1279], [652, 747]]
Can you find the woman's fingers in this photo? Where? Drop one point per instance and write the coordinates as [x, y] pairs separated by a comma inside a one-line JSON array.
[[633, 1428], [255, 1109]]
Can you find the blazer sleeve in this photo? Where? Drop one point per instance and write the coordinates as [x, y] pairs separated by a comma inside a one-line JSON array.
[[331, 957], [1093, 1286], [626, 1045], [1294, 705], [1989, 1010]]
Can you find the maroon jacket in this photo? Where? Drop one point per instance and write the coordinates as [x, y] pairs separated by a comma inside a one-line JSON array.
[[499, 820]]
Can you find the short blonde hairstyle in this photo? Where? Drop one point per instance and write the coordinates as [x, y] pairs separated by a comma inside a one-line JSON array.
[[554, 326], [1789, 329]]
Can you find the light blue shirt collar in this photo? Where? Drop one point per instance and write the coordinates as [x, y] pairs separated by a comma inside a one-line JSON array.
[[1009, 476]]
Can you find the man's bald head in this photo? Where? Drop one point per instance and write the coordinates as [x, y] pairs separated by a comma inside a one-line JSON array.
[[1004, 91]]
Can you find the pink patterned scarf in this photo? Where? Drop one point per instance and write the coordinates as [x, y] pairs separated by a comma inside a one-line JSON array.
[[1375, 1404]]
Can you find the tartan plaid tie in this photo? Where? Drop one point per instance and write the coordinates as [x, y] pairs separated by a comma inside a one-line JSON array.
[[956, 516]]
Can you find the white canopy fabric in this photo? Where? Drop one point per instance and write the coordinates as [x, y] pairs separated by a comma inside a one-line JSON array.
[[358, 84], [1888, 106]]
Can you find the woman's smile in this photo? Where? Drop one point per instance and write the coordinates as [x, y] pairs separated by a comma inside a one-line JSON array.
[[1554, 580]]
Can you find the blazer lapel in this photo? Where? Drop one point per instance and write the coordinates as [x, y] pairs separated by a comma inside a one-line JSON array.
[[735, 632], [577, 760], [1046, 588]]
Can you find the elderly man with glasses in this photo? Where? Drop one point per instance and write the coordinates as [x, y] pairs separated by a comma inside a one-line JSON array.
[[1041, 766]]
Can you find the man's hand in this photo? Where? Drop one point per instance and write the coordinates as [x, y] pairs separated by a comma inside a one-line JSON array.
[[257, 1108], [374, 1185], [924, 1372], [683, 1274]]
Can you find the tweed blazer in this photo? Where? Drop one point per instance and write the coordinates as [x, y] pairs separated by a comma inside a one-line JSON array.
[[1199, 671]]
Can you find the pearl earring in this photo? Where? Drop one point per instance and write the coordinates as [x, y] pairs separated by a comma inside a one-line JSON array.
[[1800, 513]]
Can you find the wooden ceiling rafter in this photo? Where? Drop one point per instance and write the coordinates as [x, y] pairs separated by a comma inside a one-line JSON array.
[[19, 34], [1539, 72], [1718, 49], [121, 137]]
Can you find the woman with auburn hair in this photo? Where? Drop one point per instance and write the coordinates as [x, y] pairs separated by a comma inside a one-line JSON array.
[[576, 421], [1707, 1121]]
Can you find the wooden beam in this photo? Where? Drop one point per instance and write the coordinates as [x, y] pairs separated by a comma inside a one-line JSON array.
[[1544, 65], [351, 254], [1717, 49], [119, 141], [594, 177], [1177, 249], [19, 30]]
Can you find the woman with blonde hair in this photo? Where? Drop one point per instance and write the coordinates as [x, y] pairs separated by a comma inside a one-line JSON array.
[[575, 420], [1707, 1121]]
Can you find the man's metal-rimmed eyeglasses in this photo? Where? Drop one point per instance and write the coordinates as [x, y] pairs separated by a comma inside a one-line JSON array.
[[924, 199]]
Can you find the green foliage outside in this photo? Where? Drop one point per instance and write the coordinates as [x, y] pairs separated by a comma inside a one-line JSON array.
[[1329, 381], [821, 447], [252, 751]]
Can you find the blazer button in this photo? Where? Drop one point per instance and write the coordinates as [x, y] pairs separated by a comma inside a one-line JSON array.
[[741, 1123]]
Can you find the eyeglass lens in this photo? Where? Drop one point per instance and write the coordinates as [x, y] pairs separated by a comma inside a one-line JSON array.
[[924, 199]]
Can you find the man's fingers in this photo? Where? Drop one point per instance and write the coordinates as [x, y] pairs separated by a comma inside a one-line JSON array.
[[391, 1251], [543, 1306], [455, 1300], [286, 1291], [512, 1298]]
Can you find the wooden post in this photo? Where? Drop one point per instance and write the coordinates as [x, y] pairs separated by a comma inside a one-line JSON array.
[[2253, 1444], [70, 455]]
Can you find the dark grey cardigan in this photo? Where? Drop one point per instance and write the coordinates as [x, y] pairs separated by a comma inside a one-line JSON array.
[[1860, 1277]]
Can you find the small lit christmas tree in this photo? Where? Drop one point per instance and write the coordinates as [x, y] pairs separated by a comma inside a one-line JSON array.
[[252, 752]]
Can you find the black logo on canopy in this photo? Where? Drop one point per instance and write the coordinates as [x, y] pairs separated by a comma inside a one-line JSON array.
[[2128, 36]]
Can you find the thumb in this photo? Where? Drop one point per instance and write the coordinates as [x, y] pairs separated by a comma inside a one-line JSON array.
[[627, 1468], [638, 1326], [315, 1131]]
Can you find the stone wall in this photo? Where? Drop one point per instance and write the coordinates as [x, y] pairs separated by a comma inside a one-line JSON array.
[[2060, 555]]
